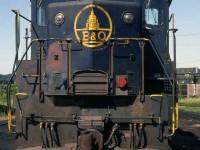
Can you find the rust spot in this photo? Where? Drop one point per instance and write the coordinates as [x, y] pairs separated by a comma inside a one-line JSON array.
[[56, 58]]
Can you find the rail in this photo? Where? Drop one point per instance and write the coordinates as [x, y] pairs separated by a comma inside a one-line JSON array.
[[8, 87], [175, 99], [69, 40]]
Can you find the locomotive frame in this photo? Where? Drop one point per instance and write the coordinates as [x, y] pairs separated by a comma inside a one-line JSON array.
[[95, 81]]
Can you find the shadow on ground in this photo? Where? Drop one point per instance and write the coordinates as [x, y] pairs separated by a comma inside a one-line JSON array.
[[185, 140], [6, 139]]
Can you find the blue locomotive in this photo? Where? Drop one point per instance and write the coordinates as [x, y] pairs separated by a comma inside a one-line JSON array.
[[100, 76]]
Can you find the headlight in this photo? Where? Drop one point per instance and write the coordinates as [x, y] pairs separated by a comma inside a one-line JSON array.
[[59, 19], [128, 18]]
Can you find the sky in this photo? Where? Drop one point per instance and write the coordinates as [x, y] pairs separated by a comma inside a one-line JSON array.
[[7, 32], [187, 21]]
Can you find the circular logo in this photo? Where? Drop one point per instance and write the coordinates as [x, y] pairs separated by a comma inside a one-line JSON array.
[[92, 26]]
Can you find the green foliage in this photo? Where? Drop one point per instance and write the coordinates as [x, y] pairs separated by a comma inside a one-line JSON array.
[[190, 104], [4, 78], [3, 93]]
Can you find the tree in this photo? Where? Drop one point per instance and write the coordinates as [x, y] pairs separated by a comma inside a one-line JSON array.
[[3, 93]]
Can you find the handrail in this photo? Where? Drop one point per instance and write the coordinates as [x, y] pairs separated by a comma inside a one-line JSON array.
[[174, 124], [177, 113], [19, 63], [17, 39], [156, 95], [13, 74], [154, 49], [61, 39], [17, 35]]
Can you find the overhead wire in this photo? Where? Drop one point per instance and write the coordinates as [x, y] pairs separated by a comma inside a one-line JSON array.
[[189, 62], [190, 34], [185, 35]]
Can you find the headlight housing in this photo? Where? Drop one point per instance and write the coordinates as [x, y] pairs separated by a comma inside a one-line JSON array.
[[59, 19], [128, 18]]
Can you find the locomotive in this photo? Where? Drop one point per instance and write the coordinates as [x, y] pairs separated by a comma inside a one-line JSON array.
[[100, 76]]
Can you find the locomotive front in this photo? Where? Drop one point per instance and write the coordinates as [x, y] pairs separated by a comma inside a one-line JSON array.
[[97, 78], [89, 62]]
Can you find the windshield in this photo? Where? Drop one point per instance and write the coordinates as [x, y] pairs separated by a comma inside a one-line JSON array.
[[41, 12], [154, 12]]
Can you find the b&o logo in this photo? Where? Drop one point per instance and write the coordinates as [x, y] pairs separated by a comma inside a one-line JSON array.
[[93, 26]]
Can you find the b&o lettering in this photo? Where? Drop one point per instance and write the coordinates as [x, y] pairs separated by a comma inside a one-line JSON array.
[[100, 36]]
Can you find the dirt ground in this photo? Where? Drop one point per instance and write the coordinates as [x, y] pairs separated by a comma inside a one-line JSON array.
[[187, 137]]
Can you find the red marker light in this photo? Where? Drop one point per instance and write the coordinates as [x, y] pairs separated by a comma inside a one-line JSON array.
[[121, 81]]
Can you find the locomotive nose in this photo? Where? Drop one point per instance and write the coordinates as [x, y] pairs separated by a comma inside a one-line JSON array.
[[94, 22], [90, 25]]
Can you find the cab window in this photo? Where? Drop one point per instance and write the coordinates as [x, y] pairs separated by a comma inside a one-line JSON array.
[[154, 12], [41, 16], [41, 12]]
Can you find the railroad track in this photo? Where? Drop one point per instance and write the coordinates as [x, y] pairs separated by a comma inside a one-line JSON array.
[[195, 117], [4, 109], [6, 139], [4, 121], [187, 136]]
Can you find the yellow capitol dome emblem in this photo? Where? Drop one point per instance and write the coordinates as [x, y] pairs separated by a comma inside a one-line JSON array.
[[93, 29]]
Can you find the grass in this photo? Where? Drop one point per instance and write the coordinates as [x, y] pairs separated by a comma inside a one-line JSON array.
[[3, 115], [190, 104], [3, 111]]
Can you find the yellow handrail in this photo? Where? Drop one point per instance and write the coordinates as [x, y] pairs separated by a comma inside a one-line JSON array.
[[177, 113], [174, 114], [21, 94], [175, 119], [173, 123], [10, 125], [156, 95]]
